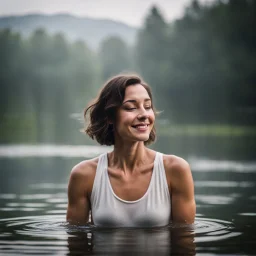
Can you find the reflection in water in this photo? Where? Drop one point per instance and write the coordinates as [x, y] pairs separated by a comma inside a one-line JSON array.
[[208, 165], [223, 184], [216, 199], [51, 150], [158, 241], [80, 243], [53, 234], [172, 240]]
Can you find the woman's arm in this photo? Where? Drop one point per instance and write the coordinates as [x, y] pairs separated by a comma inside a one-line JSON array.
[[78, 190], [182, 190]]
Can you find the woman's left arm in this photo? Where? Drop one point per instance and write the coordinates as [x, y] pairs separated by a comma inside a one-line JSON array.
[[182, 190]]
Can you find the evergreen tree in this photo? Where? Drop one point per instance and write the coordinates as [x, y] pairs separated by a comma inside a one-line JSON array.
[[152, 53], [114, 57]]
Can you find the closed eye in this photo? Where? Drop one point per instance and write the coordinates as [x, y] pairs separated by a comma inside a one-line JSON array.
[[130, 109]]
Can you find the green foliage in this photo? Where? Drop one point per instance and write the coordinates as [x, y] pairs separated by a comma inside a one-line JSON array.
[[151, 52], [114, 57], [203, 69], [46, 78]]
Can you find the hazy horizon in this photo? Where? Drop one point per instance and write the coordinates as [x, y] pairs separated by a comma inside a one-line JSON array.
[[131, 13]]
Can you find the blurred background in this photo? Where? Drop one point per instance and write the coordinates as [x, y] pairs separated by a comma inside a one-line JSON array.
[[201, 66], [200, 63], [199, 57]]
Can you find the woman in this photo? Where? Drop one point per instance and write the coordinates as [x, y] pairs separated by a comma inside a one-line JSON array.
[[132, 186]]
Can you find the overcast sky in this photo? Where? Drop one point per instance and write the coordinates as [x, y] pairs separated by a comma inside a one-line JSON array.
[[130, 12]]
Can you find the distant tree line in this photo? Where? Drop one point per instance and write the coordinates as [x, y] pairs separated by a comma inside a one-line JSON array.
[[43, 80], [203, 66], [202, 69]]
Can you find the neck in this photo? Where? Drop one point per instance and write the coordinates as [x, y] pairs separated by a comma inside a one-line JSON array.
[[128, 156]]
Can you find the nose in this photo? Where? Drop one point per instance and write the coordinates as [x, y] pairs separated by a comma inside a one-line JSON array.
[[142, 118], [143, 115]]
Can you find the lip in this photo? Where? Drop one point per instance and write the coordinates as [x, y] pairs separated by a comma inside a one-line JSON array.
[[141, 127], [140, 124]]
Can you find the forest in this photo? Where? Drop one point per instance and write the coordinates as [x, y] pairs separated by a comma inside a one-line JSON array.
[[201, 67]]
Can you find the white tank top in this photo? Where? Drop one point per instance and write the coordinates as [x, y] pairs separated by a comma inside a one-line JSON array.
[[151, 210]]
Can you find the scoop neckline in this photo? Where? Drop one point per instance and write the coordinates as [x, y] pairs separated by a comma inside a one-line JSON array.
[[147, 191]]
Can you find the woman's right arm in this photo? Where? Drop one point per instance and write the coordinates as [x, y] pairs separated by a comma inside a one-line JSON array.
[[78, 190]]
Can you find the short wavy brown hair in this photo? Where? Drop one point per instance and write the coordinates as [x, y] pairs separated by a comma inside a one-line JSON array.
[[103, 109]]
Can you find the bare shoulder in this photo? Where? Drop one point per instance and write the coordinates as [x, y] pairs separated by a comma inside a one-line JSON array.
[[176, 169], [85, 168], [175, 164], [84, 173]]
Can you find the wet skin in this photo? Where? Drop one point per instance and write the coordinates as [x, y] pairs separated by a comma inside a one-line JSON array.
[[130, 164]]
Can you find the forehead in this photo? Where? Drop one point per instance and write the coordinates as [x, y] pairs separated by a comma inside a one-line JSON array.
[[136, 91]]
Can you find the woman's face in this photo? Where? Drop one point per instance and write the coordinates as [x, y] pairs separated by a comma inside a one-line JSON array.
[[135, 117]]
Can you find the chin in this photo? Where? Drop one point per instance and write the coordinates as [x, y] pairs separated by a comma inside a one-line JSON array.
[[142, 138]]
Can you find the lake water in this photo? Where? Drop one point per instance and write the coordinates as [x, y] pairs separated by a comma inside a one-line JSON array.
[[33, 201]]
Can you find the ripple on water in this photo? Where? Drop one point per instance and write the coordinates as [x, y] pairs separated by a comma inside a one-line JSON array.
[[50, 225], [210, 230], [224, 184], [43, 226], [216, 199], [248, 213], [208, 165], [57, 200], [7, 196], [51, 233], [35, 196], [48, 186], [57, 211]]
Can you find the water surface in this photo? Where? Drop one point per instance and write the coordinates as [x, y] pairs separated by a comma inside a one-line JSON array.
[[33, 201]]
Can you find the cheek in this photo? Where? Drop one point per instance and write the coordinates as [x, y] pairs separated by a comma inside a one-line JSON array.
[[152, 116], [124, 119]]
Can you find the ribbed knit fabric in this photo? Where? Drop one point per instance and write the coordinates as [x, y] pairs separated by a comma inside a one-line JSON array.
[[151, 210]]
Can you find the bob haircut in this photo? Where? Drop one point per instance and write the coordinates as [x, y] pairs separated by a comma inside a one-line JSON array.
[[102, 112]]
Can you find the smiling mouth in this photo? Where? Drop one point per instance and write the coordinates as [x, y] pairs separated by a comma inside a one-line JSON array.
[[140, 127]]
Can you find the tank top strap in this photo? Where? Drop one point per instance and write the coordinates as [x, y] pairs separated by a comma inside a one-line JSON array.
[[102, 163], [160, 174], [101, 166]]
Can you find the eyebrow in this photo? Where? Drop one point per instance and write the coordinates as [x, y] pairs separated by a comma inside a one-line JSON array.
[[134, 101]]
